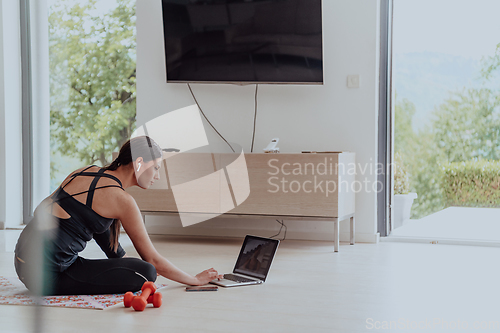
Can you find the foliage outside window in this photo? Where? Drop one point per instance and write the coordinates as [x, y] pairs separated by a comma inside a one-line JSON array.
[[465, 131], [474, 183], [401, 176], [92, 47]]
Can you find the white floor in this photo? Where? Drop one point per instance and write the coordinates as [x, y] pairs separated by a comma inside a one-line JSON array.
[[310, 289], [462, 224]]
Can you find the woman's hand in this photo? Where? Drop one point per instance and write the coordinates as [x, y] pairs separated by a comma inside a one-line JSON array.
[[207, 276]]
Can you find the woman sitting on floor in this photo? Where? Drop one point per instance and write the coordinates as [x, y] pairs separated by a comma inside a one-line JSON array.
[[78, 211]]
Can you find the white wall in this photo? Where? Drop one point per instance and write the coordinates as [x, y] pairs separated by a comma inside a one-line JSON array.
[[327, 117], [10, 116]]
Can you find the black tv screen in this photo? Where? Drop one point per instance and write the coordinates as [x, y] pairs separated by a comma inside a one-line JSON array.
[[243, 41]]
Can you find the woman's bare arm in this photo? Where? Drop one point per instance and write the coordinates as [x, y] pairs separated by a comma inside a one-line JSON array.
[[132, 222]]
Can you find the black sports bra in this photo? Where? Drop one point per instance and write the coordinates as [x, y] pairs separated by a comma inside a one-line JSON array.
[[72, 234], [77, 209]]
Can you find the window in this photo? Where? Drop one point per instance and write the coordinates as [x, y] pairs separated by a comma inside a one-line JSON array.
[[446, 65], [92, 56]]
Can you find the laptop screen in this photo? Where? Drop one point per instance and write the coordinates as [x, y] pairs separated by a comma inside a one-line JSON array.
[[256, 256]]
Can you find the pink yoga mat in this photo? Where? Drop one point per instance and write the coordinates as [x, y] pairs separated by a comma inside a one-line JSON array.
[[13, 292]]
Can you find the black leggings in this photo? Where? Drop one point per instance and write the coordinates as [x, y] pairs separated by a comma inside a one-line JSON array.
[[98, 276]]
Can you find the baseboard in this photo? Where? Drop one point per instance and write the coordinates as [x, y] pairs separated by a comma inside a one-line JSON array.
[[2, 225], [298, 230], [442, 241]]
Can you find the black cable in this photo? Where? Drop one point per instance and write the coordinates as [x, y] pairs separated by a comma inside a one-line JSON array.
[[286, 229], [282, 225], [192, 94], [278, 231], [255, 115]]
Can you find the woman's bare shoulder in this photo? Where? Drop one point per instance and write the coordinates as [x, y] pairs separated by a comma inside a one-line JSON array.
[[125, 203], [89, 167], [68, 178]]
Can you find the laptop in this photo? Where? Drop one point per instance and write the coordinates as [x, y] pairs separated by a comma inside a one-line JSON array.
[[253, 263]]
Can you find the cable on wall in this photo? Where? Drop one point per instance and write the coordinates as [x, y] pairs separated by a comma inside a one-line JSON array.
[[282, 225], [255, 116], [192, 94]]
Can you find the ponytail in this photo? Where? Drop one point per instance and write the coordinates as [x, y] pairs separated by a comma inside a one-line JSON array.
[[144, 147], [114, 234]]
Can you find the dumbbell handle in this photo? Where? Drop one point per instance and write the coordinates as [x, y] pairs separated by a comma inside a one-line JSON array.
[[146, 293], [127, 300], [139, 302]]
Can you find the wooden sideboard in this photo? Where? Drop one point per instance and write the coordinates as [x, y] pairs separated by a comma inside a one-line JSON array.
[[307, 186]]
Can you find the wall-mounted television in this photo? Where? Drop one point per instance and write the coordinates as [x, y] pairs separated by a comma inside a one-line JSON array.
[[243, 41]]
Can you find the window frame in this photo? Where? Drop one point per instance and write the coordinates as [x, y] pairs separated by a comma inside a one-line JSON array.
[[27, 111], [35, 105], [385, 121]]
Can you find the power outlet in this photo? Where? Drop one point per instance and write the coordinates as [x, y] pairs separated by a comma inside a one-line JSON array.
[[353, 81]]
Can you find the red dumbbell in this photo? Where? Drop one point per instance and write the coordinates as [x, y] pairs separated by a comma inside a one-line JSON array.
[[127, 299], [148, 295], [156, 299]]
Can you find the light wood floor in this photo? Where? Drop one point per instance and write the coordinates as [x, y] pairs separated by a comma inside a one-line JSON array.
[[310, 289]]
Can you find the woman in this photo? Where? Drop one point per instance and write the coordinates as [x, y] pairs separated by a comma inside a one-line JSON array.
[[92, 203]]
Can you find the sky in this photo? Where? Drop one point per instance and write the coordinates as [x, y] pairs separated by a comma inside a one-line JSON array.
[[468, 28]]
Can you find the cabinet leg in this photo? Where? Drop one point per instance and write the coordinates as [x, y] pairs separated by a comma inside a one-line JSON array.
[[353, 229], [143, 218], [336, 235]]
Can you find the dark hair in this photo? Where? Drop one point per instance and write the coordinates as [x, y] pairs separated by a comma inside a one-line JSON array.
[[141, 146]]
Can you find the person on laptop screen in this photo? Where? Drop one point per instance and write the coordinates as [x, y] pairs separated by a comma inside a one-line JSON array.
[[253, 263]]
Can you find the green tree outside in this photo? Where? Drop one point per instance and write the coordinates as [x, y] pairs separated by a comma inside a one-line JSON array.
[[422, 158], [465, 127], [92, 78]]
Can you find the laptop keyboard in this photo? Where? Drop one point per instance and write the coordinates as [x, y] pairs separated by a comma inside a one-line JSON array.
[[236, 278]]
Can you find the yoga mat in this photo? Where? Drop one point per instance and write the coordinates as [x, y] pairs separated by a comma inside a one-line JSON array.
[[13, 292]]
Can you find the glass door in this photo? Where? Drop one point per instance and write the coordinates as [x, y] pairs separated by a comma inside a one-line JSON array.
[[446, 96]]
